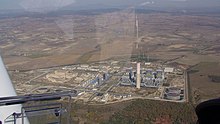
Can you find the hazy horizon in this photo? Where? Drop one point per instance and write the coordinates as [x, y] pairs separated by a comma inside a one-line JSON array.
[[32, 5]]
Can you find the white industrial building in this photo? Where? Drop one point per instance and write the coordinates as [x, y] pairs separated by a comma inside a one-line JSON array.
[[169, 70]]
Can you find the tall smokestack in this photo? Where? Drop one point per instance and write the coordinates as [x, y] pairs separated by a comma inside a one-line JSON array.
[[138, 79]]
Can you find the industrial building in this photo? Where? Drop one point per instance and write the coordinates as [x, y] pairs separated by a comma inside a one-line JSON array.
[[99, 80], [143, 78], [169, 70]]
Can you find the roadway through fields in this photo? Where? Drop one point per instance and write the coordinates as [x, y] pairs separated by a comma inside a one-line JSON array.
[[186, 86], [28, 82]]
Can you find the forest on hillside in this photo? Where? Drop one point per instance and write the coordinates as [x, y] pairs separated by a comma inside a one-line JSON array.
[[154, 112]]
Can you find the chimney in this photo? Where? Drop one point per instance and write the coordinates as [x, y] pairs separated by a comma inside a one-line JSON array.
[[138, 76]]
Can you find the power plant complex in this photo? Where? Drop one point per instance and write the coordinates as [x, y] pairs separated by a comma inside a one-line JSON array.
[[143, 77], [155, 77]]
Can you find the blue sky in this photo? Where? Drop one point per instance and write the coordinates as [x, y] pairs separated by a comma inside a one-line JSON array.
[[18, 4]]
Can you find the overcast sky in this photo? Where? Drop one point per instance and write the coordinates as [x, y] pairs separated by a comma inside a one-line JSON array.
[[33, 4]]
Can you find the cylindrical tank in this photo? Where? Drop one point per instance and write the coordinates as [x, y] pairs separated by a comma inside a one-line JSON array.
[[173, 96], [174, 90]]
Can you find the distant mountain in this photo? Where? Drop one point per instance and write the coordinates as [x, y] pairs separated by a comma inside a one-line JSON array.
[[51, 5], [57, 7]]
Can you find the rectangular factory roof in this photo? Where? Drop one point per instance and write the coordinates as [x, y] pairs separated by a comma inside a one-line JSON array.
[[168, 69]]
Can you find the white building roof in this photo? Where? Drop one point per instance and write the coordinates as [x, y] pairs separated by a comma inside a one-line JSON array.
[[168, 69]]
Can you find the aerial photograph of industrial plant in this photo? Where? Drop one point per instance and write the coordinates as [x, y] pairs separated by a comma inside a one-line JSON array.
[[109, 61]]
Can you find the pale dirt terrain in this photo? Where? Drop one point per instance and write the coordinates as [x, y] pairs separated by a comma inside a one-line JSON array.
[[202, 87], [32, 42]]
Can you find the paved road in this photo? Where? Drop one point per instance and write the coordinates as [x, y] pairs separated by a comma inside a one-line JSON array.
[[37, 76], [36, 87], [186, 86]]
